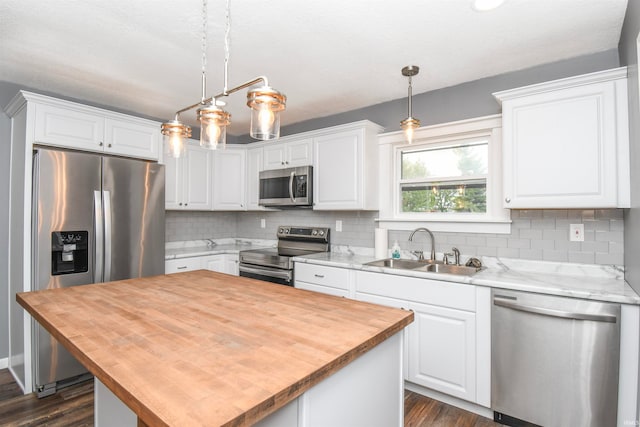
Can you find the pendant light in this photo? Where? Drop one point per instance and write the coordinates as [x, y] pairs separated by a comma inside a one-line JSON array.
[[410, 124], [265, 102]]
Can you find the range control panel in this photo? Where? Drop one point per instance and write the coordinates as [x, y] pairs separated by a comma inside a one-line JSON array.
[[303, 233]]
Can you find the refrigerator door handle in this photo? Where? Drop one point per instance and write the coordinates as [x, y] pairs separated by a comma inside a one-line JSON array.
[[107, 235], [98, 226]]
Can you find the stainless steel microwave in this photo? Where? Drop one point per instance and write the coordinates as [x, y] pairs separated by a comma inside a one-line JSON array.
[[286, 187]]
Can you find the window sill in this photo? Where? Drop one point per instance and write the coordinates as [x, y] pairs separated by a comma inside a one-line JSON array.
[[451, 225]]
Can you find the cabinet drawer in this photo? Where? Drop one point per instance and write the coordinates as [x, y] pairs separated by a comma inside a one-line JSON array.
[[323, 289], [182, 264], [427, 291], [321, 275]]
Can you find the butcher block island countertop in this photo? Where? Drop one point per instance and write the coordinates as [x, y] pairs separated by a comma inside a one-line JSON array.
[[207, 349]]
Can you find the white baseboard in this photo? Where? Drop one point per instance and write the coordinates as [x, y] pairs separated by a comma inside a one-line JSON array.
[[449, 400], [4, 363]]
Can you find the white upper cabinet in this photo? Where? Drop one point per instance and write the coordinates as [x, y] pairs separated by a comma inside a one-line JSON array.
[[188, 180], [255, 164], [71, 125], [566, 143], [229, 179], [288, 154], [345, 175]]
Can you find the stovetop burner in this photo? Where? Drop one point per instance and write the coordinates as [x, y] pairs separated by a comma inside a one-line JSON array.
[[292, 241]]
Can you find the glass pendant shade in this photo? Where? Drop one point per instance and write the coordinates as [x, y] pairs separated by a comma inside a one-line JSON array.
[[174, 134], [266, 104], [213, 126], [409, 125]]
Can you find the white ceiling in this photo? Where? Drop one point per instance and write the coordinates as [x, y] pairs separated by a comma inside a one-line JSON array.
[[327, 56]]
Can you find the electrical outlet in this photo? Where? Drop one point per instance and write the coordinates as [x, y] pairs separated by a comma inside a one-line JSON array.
[[576, 232], [338, 225], [263, 223]]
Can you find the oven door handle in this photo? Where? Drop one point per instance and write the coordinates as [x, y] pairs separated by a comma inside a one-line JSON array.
[[293, 175], [280, 274]]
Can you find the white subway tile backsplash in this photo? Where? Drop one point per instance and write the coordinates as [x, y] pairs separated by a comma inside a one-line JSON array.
[[535, 234]]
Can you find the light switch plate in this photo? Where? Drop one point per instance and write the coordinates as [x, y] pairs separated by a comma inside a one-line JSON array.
[[338, 225], [576, 232], [263, 223]]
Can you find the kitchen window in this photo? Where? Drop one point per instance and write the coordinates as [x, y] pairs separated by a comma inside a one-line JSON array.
[[449, 179]]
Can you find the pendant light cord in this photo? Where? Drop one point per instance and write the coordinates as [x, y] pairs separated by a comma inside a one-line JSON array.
[[204, 49], [227, 31]]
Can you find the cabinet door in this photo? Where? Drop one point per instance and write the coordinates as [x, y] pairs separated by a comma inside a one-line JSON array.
[[274, 156], [299, 153], [442, 350], [173, 183], [254, 166], [197, 179], [231, 264], [133, 138], [68, 128], [223, 263], [182, 264], [229, 179], [337, 180], [560, 148]]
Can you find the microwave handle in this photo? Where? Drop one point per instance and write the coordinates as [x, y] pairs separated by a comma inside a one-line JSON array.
[[293, 174]]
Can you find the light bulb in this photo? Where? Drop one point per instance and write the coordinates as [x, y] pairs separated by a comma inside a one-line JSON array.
[[175, 144], [408, 133], [266, 117], [213, 135]]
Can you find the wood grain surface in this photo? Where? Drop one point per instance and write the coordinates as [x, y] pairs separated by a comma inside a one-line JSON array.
[[204, 348]]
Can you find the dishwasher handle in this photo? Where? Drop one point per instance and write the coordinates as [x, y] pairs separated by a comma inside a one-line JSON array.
[[510, 303]]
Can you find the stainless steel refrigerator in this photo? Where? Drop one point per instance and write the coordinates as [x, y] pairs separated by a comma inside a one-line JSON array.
[[95, 219]]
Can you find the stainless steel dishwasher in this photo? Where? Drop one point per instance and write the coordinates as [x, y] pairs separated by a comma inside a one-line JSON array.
[[554, 360]]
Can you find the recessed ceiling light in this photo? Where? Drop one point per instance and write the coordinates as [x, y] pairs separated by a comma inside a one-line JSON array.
[[484, 5]]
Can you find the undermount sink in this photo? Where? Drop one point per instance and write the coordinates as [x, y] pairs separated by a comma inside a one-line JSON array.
[[403, 264], [449, 269], [424, 265]]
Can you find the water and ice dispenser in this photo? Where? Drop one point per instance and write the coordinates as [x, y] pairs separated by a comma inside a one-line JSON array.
[[69, 252]]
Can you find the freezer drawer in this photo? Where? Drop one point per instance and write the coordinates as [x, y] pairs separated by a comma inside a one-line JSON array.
[[554, 360]]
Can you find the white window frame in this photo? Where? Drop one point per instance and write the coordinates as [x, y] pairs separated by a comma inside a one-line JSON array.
[[495, 220]]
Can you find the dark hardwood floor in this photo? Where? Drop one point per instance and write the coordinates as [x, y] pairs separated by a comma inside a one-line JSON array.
[[421, 411], [73, 407]]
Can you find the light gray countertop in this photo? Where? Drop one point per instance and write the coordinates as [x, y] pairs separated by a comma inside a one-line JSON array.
[[593, 282], [195, 248]]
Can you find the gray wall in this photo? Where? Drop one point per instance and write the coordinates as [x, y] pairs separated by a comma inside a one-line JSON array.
[[629, 57], [5, 155], [467, 100]]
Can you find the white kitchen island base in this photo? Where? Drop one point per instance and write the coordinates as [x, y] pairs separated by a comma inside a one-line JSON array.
[[367, 392]]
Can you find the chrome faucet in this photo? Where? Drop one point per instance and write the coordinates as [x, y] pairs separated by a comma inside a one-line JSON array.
[[433, 240], [454, 253]]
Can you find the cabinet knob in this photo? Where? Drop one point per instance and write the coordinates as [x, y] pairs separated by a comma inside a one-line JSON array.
[[100, 143], [186, 204], [109, 145], [507, 199], [319, 276], [180, 204]]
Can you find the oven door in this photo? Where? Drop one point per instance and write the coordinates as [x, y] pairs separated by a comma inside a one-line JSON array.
[[273, 275]]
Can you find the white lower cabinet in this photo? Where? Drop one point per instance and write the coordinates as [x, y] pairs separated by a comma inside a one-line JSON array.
[[326, 280], [447, 347], [442, 350], [223, 263], [181, 265], [226, 263]]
